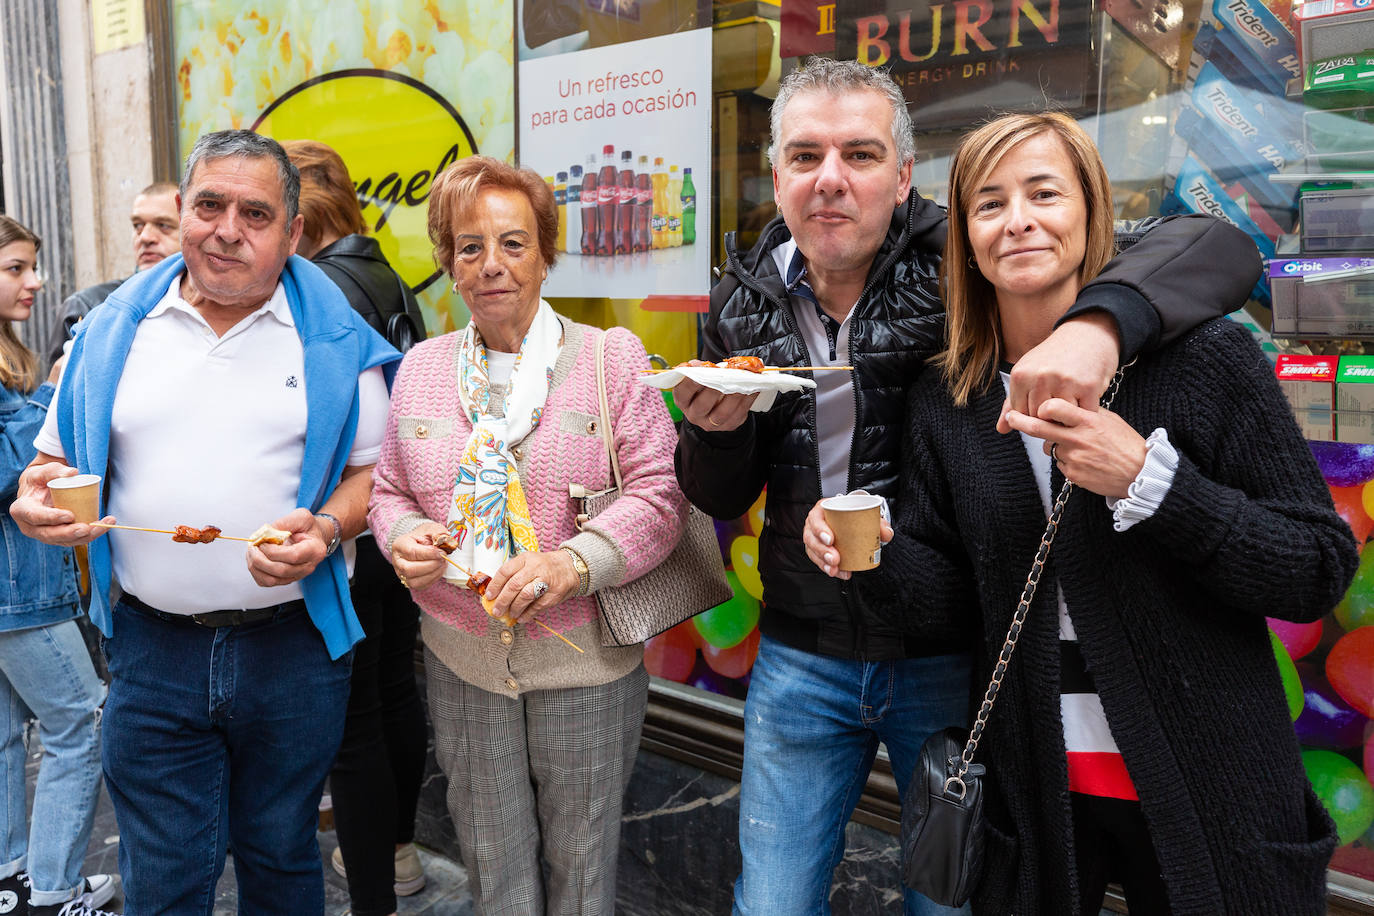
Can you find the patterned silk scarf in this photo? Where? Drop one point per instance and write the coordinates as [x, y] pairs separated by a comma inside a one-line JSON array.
[[488, 514]]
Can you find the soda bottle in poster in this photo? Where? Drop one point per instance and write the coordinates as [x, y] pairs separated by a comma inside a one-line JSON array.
[[607, 196], [659, 223], [574, 231], [560, 200], [590, 210], [689, 208], [644, 207], [674, 207], [625, 205]]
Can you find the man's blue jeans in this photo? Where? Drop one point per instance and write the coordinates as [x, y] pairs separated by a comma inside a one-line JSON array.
[[218, 737], [47, 672], [812, 725]]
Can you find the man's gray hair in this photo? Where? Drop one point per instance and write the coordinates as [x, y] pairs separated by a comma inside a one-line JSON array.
[[838, 77], [223, 144]]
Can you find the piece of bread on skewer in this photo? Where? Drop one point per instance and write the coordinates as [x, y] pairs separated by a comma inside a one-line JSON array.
[[268, 535]]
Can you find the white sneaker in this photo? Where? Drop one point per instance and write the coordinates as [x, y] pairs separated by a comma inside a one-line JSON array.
[[97, 890]]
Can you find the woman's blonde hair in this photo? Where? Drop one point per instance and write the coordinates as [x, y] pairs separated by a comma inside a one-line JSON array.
[[973, 344], [18, 365]]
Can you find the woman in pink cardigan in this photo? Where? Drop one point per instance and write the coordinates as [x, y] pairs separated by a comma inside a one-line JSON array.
[[488, 427]]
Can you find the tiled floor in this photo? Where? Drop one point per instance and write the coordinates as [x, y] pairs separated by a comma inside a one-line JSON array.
[[445, 892]]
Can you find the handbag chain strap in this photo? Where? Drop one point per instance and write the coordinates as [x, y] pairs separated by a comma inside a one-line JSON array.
[[1018, 620]]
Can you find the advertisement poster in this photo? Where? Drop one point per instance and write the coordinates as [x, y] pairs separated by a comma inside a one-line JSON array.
[[957, 63], [622, 132], [399, 88]]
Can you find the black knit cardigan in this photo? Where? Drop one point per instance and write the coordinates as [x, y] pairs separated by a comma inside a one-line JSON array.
[[1170, 620]]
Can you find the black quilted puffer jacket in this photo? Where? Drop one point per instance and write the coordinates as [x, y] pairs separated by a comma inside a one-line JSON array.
[[897, 324]]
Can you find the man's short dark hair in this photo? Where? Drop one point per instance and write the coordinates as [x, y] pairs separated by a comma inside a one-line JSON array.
[[223, 144]]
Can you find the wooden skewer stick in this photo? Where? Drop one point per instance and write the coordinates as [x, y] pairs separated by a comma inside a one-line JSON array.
[[218, 537], [458, 566], [765, 369]]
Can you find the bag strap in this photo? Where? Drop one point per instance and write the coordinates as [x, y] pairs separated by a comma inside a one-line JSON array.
[[606, 435], [1018, 620]]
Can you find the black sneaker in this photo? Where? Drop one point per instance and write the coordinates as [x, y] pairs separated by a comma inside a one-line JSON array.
[[95, 890], [14, 895]]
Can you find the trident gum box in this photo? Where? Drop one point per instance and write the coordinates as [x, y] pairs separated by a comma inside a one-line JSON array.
[[1309, 383]]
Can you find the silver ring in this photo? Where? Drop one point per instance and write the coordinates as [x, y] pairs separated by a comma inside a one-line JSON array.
[[540, 588], [1054, 448]]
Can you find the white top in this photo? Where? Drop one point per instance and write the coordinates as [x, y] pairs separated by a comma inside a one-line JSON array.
[[835, 398], [210, 430]]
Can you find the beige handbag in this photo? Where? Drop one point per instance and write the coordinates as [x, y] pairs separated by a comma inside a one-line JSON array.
[[690, 580]]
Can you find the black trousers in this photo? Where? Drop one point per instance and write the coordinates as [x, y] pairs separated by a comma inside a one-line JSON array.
[[1112, 843], [375, 783]]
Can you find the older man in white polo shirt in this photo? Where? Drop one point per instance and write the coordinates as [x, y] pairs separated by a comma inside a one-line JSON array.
[[233, 388]]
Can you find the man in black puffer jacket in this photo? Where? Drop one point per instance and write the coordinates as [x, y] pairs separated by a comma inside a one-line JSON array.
[[848, 276]]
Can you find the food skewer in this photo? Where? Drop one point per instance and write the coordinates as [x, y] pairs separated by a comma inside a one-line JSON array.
[[482, 594], [764, 369], [218, 537]]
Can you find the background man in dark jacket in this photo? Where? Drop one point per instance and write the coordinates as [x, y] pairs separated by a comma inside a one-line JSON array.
[[847, 275], [157, 233]]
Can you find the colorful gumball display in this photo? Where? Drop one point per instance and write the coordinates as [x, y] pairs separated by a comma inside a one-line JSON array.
[[1336, 671], [1298, 638], [1344, 790], [715, 650], [1327, 721], [1288, 674], [1350, 669], [1344, 464], [1349, 502]]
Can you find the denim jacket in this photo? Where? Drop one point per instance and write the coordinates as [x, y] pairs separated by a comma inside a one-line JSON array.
[[37, 580]]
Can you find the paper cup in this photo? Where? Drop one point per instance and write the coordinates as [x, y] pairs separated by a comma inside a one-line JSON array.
[[79, 495], [855, 521]]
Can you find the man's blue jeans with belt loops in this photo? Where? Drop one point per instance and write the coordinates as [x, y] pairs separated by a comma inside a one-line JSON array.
[[812, 725], [220, 738]]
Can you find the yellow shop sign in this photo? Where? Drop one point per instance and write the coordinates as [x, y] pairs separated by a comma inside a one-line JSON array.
[[395, 134]]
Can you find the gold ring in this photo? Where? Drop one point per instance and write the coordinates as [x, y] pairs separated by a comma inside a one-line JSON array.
[[404, 583], [713, 421]]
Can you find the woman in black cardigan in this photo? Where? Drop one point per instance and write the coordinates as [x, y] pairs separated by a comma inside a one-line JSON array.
[[1141, 733]]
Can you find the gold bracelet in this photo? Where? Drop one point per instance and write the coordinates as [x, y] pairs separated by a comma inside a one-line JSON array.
[[584, 575]]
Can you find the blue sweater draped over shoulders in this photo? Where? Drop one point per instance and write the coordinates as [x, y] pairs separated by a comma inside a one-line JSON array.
[[338, 346]]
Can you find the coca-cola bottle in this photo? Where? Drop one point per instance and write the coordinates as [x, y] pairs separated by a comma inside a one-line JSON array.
[[643, 237], [589, 207], [625, 205], [607, 195]]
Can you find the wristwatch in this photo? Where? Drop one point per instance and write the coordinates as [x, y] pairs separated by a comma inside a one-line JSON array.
[[333, 543], [584, 575]]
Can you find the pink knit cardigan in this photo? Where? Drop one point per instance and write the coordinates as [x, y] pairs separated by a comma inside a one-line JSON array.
[[426, 432]]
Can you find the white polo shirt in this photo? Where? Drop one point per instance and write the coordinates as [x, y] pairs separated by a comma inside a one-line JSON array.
[[210, 430]]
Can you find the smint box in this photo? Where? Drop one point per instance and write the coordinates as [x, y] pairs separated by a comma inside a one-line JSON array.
[[1355, 400], [1322, 297], [1309, 383], [1331, 28]]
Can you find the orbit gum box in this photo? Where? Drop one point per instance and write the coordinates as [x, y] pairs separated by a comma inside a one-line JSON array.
[[1309, 383], [1355, 400]]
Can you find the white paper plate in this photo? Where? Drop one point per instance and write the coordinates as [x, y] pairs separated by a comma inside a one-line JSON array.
[[731, 381]]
